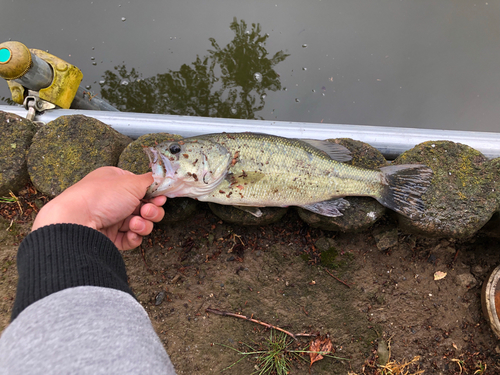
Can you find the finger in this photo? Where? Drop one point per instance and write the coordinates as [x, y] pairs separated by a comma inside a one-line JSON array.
[[151, 212], [158, 201], [140, 226], [125, 226], [128, 240]]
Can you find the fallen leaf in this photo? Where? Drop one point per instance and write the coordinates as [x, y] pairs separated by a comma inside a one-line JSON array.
[[439, 275], [319, 346]]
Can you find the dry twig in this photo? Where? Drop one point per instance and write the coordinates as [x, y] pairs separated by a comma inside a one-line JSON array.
[[226, 313], [336, 278]]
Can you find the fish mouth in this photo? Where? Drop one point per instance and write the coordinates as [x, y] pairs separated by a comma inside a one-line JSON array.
[[163, 172]]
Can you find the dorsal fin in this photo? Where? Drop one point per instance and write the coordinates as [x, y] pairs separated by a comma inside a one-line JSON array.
[[334, 150]]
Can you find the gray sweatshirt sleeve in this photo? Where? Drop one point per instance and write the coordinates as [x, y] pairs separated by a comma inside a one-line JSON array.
[[74, 312], [83, 330]]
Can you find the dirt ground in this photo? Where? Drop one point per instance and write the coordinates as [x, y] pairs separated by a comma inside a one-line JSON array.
[[276, 274]]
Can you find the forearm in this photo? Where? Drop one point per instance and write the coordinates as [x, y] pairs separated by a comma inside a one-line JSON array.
[[74, 311], [62, 256], [83, 330]]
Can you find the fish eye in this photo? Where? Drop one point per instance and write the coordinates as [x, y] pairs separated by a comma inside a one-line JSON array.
[[174, 148]]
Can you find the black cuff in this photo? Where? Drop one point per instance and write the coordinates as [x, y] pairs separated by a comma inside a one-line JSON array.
[[61, 256]]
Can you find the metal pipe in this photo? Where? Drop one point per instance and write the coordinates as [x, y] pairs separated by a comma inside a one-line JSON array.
[[82, 100], [390, 141], [38, 76]]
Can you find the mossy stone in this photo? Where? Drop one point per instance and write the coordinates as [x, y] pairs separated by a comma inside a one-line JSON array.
[[493, 172], [135, 160], [492, 227], [461, 197], [235, 215], [68, 148], [178, 209], [363, 212], [17, 134]]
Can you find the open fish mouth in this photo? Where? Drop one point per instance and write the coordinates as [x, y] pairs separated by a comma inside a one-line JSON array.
[[163, 171]]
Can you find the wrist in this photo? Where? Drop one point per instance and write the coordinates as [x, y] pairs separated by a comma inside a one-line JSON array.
[[62, 213]]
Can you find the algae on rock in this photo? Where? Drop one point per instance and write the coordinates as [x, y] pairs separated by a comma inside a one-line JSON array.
[[460, 199], [134, 159], [68, 148], [17, 134]]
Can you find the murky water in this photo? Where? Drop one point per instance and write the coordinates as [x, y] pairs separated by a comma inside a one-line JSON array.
[[424, 64]]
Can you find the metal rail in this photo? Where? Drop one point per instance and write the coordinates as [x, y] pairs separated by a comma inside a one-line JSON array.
[[390, 141]]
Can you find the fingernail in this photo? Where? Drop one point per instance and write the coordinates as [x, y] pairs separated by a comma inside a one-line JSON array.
[[139, 226], [151, 211]]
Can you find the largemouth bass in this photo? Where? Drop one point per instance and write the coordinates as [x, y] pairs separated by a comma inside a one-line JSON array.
[[260, 170]]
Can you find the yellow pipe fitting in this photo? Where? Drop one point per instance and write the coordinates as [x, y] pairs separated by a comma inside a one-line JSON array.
[[17, 92], [20, 67], [64, 86]]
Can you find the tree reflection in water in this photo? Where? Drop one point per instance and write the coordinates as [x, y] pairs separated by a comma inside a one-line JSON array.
[[229, 82]]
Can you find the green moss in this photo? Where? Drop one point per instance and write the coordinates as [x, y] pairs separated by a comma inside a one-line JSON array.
[[329, 258], [305, 257], [332, 259]]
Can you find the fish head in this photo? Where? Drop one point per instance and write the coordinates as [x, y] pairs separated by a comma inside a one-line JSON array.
[[187, 168]]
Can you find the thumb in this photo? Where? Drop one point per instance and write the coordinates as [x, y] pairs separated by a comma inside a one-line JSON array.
[[138, 184]]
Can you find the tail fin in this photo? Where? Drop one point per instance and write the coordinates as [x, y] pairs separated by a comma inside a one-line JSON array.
[[404, 186]]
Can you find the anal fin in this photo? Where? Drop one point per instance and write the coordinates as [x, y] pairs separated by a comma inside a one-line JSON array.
[[330, 208]]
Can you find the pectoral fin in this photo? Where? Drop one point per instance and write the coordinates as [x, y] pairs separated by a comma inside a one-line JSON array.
[[244, 178], [330, 208], [255, 211]]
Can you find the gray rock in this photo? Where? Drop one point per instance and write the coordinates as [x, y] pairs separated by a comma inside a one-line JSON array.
[[466, 280], [178, 209], [68, 148], [461, 198], [17, 134], [478, 270], [383, 353], [363, 212], [134, 159], [325, 243], [386, 239]]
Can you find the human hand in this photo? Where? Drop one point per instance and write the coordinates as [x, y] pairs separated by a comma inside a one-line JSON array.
[[108, 200]]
